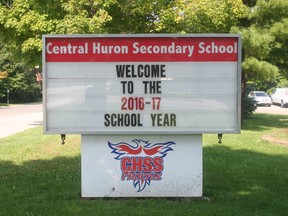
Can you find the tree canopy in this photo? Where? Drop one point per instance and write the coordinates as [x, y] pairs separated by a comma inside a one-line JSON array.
[[265, 43], [204, 16], [23, 22]]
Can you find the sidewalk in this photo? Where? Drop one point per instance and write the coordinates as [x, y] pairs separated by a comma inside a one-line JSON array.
[[16, 118]]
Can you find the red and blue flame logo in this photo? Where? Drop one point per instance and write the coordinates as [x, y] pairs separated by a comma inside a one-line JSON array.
[[141, 161]]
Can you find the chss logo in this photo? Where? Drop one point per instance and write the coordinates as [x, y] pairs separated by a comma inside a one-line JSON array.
[[141, 161]]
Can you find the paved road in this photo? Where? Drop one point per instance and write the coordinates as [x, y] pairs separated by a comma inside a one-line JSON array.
[[16, 118], [272, 110]]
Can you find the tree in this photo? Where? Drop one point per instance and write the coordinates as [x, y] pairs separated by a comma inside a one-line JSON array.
[[206, 16], [135, 16], [264, 36], [279, 51], [23, 22], [16, 78], [263, 45]]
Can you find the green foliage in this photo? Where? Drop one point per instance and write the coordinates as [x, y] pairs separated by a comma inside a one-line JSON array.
[[249, 103], [265, 49], [200, 16], [279, 52], [268, 12], [250, 3], [267, 86], [24, 22], [257, 45], [249, 106], [282, 83], [20, 82], [135, 16], [256, 42], [259, 70], [264, 39]]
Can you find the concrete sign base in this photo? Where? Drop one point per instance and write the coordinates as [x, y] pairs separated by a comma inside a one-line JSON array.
[[141, 166]]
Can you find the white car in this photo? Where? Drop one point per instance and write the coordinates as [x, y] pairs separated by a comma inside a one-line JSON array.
[[280, 96], [261, 98]]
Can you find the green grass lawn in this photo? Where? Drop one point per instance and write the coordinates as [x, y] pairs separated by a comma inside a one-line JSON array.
[[4, 104], [244, 175]]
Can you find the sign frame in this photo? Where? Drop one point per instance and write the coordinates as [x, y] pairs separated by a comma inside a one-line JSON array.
[[236, 127]]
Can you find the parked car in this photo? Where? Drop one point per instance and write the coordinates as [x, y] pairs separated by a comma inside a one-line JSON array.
[[280, 96], [261, 98]]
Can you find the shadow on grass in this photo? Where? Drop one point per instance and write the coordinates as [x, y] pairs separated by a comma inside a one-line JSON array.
[[261, 122], [253, 183], [237, 182], [38, 187]]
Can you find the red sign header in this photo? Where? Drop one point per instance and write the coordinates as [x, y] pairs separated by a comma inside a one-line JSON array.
[[141, 49]]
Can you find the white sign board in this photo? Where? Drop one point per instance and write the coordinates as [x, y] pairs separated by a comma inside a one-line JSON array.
[[141, 166], [148, 84]]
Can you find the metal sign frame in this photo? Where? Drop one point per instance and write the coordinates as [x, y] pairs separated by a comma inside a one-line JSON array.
[[54, 122]]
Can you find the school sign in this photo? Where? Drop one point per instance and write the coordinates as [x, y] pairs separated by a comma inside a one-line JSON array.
[[141, 101]]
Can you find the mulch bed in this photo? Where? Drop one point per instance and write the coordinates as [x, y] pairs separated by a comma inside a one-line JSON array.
[[272, 139]]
